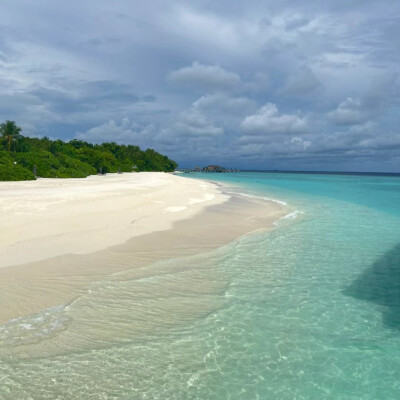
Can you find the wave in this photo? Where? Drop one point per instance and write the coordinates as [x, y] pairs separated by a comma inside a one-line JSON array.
[[292, 215], [34, 328], [253, 196]]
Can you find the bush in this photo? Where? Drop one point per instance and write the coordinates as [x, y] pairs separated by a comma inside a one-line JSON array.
[[13, 172], [46, 163], [77, 168], [75, 159]]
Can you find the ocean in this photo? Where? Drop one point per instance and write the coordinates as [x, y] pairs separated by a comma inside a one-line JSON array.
[[309, 310]]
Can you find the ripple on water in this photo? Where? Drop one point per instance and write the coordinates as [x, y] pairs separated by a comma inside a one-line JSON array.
[[34, 328], [266, 318]]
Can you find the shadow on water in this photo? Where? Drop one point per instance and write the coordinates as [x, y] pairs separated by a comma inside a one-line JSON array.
[[381, 284]]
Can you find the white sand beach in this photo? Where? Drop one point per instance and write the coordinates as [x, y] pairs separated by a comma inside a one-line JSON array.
[[59, 237], [49, 217]]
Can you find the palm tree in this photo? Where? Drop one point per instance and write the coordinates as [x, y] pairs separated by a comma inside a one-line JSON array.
[[10, 132]]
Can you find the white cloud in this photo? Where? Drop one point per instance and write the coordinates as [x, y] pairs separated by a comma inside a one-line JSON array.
[[269, 121], [205, 77], [126, 131], [299, 141], [380, 141], [365, 128], [349, 112], [381, 92]]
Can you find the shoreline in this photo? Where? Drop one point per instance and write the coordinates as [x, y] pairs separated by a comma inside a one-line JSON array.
[[31, 287], [50, 217]]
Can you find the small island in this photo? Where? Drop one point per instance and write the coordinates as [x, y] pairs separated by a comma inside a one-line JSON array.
[[208, 168]]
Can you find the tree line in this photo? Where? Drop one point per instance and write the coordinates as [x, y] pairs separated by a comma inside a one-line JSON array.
[[25, 158]]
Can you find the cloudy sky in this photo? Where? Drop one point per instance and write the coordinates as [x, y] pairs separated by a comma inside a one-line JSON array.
[[303, 85]]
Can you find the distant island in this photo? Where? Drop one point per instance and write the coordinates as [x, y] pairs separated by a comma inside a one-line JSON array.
[[25, 158], [208, 168]]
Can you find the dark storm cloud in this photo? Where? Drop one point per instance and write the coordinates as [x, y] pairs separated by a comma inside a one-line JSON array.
[[254, 84]]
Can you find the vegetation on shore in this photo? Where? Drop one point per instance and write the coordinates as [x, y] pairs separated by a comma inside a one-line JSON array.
[[24, 158]]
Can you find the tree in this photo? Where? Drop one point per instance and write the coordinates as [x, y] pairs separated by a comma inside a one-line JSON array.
[[75, 159], [10, 132]]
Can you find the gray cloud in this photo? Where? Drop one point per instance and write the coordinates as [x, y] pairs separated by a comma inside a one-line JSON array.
[[196, 124], [257, 84], [123, 132], [349, 112], [382, 92], [302, 82], [205, 77], [268, 120], [222, 104]]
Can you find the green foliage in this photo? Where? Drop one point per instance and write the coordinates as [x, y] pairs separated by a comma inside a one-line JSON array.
[[10, 133], [75, 168], [98, 158], [74, 159], [9, 171], [46, 163]]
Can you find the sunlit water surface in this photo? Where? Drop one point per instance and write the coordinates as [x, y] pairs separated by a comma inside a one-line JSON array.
[[310, 310]]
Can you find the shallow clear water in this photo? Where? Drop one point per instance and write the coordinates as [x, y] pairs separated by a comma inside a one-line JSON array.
[[310, 310]]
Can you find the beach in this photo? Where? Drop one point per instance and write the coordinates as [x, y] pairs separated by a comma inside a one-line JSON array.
[[276, 285], [59, 237], [49, 217]]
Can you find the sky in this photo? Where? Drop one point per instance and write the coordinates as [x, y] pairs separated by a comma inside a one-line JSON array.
[[288, 85]]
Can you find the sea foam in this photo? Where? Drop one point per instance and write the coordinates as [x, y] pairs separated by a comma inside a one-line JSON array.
[[34, 328]]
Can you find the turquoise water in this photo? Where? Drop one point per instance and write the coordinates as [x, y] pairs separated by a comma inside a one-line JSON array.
[[310, 310]]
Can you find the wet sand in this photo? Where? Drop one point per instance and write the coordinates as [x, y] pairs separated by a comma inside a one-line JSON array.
[[28, 288]]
